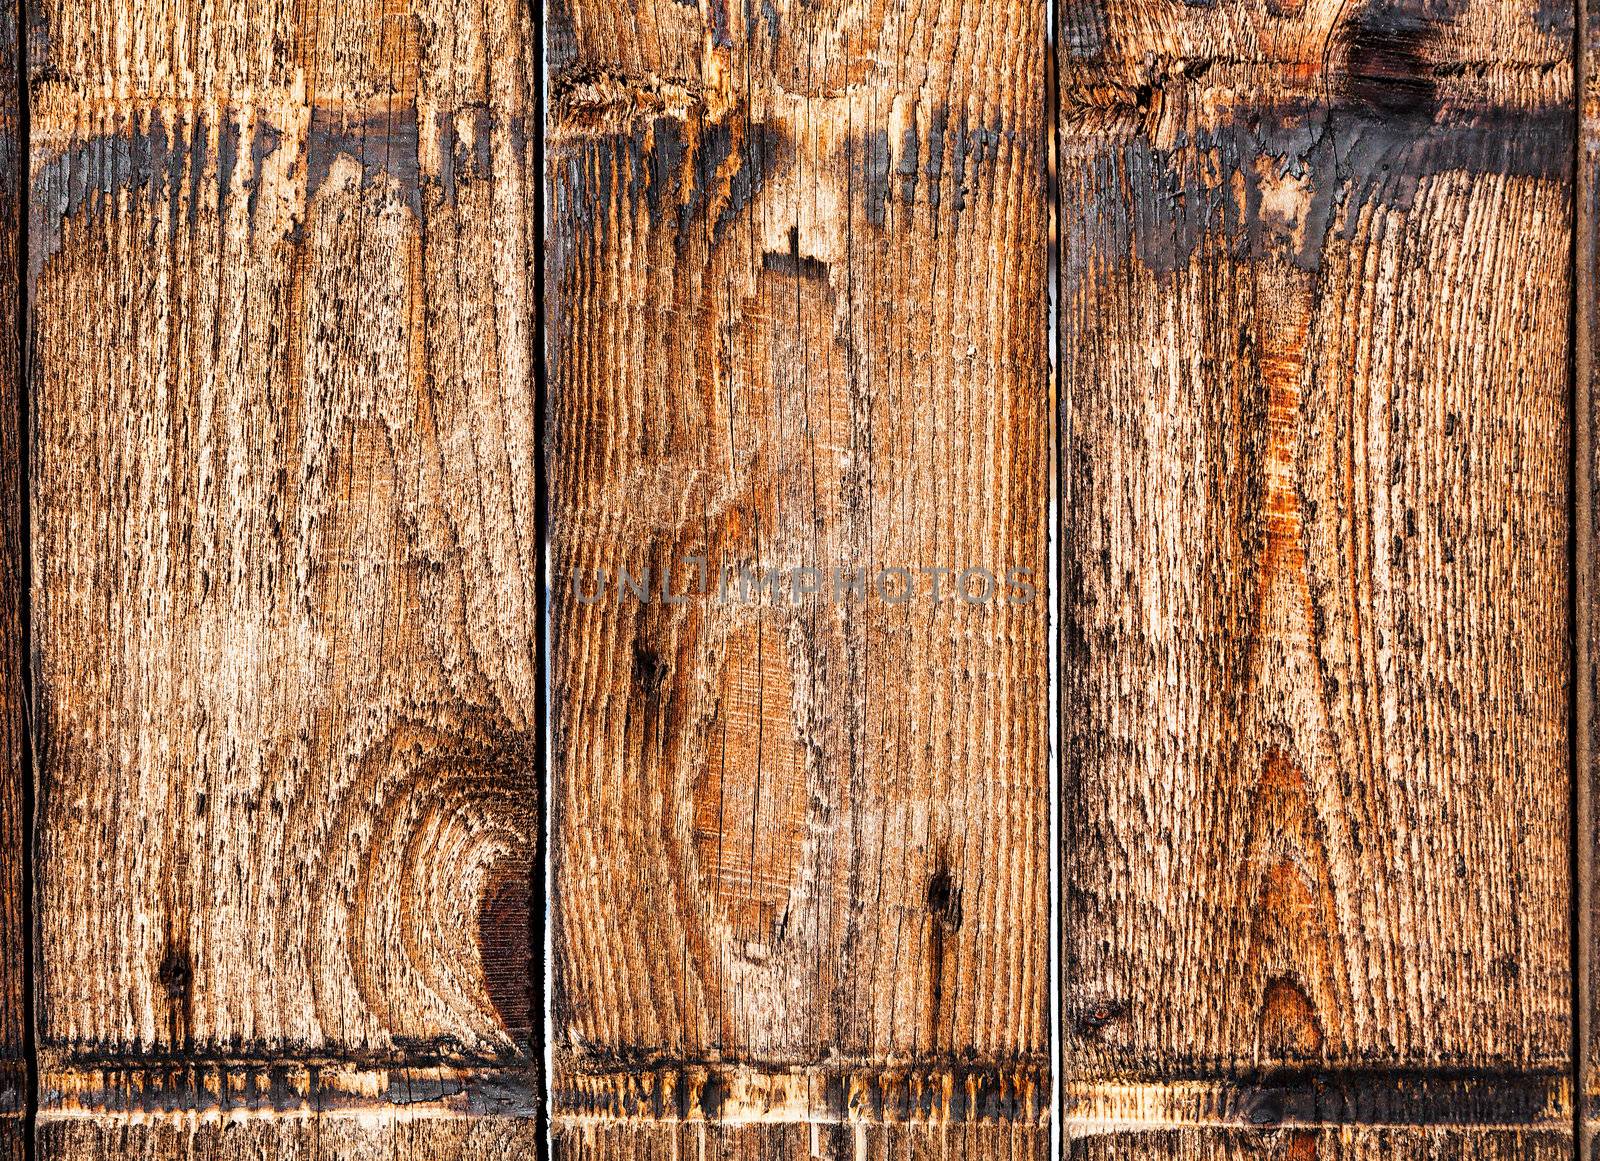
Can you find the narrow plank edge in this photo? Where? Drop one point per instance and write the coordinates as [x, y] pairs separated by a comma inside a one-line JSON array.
[[224, 1088], [204, 1091], [1482, 1099], [285, 1139], [924, 1093], [1585, 644], [762, 1142]]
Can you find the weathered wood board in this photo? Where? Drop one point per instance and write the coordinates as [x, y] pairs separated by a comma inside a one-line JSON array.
[[1314, 309], [1586, 596], [1586, 590], [284, 553], [634, 1141], [796, 327], [14, 1037], [324, 1139], [285, 550], [1350, 1143]]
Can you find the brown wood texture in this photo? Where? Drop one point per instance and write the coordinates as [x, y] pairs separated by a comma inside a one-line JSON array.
[[329, 1139], [1346, 1144], [622, 1141], [1586, 598], [1315, 295], [796, 319], [14, 1009], [284, 541]]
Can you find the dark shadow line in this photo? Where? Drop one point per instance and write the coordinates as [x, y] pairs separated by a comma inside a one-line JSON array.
[[1579, 595], [1056, 521]]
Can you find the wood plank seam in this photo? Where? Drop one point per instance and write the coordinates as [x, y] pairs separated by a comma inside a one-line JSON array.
[[220, 1087], [1583, 589], [907, 1093]]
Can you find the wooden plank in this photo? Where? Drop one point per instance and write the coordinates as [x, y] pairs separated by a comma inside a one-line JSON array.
[[14, 753], [292, 1140], [1586, 595], [1314, 329], [284, 535], [1347, 1144], [796, 321], [636, 1141]]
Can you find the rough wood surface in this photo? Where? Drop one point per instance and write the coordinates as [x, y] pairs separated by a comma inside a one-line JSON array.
[[781, 1142], [329, 1139], [13, 722], [1347, 1144], [284, 557], [1314, 332], [796, 320], [1586, 598]]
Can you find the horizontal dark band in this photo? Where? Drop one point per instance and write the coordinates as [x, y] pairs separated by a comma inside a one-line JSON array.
[[933, 1093], [313, 1085], [1373, 1097]]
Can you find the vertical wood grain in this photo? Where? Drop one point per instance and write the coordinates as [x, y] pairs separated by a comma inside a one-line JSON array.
[[14, 1031], [326, 1139], [796, 320], [1347, 1144], [633, 1141], [284, 556], [1315, 295], [1586, 596]]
